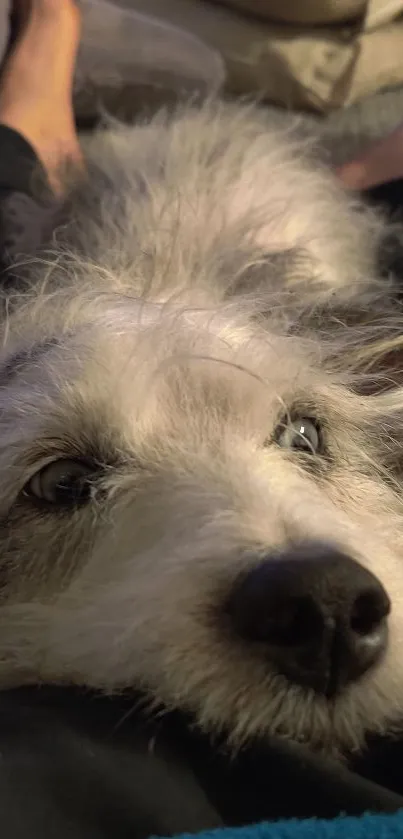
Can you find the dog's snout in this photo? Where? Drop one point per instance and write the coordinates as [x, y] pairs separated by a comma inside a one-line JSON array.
[[321, 616]]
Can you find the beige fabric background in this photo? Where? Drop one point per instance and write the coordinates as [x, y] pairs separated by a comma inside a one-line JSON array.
[[329, 53]]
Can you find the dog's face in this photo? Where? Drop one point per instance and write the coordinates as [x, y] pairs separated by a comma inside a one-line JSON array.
[[150, 457]]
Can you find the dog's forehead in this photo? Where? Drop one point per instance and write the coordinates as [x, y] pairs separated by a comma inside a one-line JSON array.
[[141, 371], [133, 316], [127, 342], [146, 337], [20, 355]]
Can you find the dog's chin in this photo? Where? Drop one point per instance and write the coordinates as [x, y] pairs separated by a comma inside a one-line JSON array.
[[338, 726], [327, 732]]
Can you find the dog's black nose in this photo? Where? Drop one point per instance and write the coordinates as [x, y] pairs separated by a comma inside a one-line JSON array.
[[321, 616]]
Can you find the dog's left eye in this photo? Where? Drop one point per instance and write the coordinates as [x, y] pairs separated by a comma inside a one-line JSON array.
[[301, 433], [63, 483]]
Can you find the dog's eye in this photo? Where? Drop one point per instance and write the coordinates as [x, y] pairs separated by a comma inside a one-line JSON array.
[[63, 483], [302, 434]]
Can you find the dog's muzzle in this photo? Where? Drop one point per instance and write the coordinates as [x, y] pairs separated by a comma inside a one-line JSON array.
[[319, 616]]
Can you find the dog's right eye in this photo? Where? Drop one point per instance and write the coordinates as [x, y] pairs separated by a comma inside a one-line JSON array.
[[62, 483], [302, 434]]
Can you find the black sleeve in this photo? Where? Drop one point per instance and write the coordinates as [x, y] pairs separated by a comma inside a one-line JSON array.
[[19, 164], [389, 196], [27, 205]]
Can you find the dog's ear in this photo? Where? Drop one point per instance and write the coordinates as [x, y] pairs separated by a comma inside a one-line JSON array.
[[377, 365], [380, 355], [362, 338]]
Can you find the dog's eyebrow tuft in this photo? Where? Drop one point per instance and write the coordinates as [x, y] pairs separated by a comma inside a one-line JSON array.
[[24, 358]]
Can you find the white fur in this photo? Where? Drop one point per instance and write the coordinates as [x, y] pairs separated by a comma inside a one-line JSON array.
[[195, 291]]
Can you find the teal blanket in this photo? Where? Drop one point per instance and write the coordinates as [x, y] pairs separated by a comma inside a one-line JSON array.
[[365, 827]]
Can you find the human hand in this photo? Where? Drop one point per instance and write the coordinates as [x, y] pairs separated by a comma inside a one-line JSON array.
[[381, 162]]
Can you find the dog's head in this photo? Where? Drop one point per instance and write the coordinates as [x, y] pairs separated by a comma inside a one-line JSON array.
[[201, 487], [198, 505]]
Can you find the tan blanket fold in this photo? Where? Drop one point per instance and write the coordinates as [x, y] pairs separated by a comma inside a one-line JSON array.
[[379, 12]]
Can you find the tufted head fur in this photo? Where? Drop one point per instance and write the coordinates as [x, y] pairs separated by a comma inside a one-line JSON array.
[[211, 284]]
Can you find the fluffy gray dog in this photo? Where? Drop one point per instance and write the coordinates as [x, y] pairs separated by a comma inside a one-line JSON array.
[[200, 439]]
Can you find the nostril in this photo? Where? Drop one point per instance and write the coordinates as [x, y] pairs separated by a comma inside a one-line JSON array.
[[369, 610]]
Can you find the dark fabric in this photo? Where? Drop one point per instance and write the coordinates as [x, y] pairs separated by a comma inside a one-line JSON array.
[[388, 195], [27, 206], [19, 164], [88, 767]]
